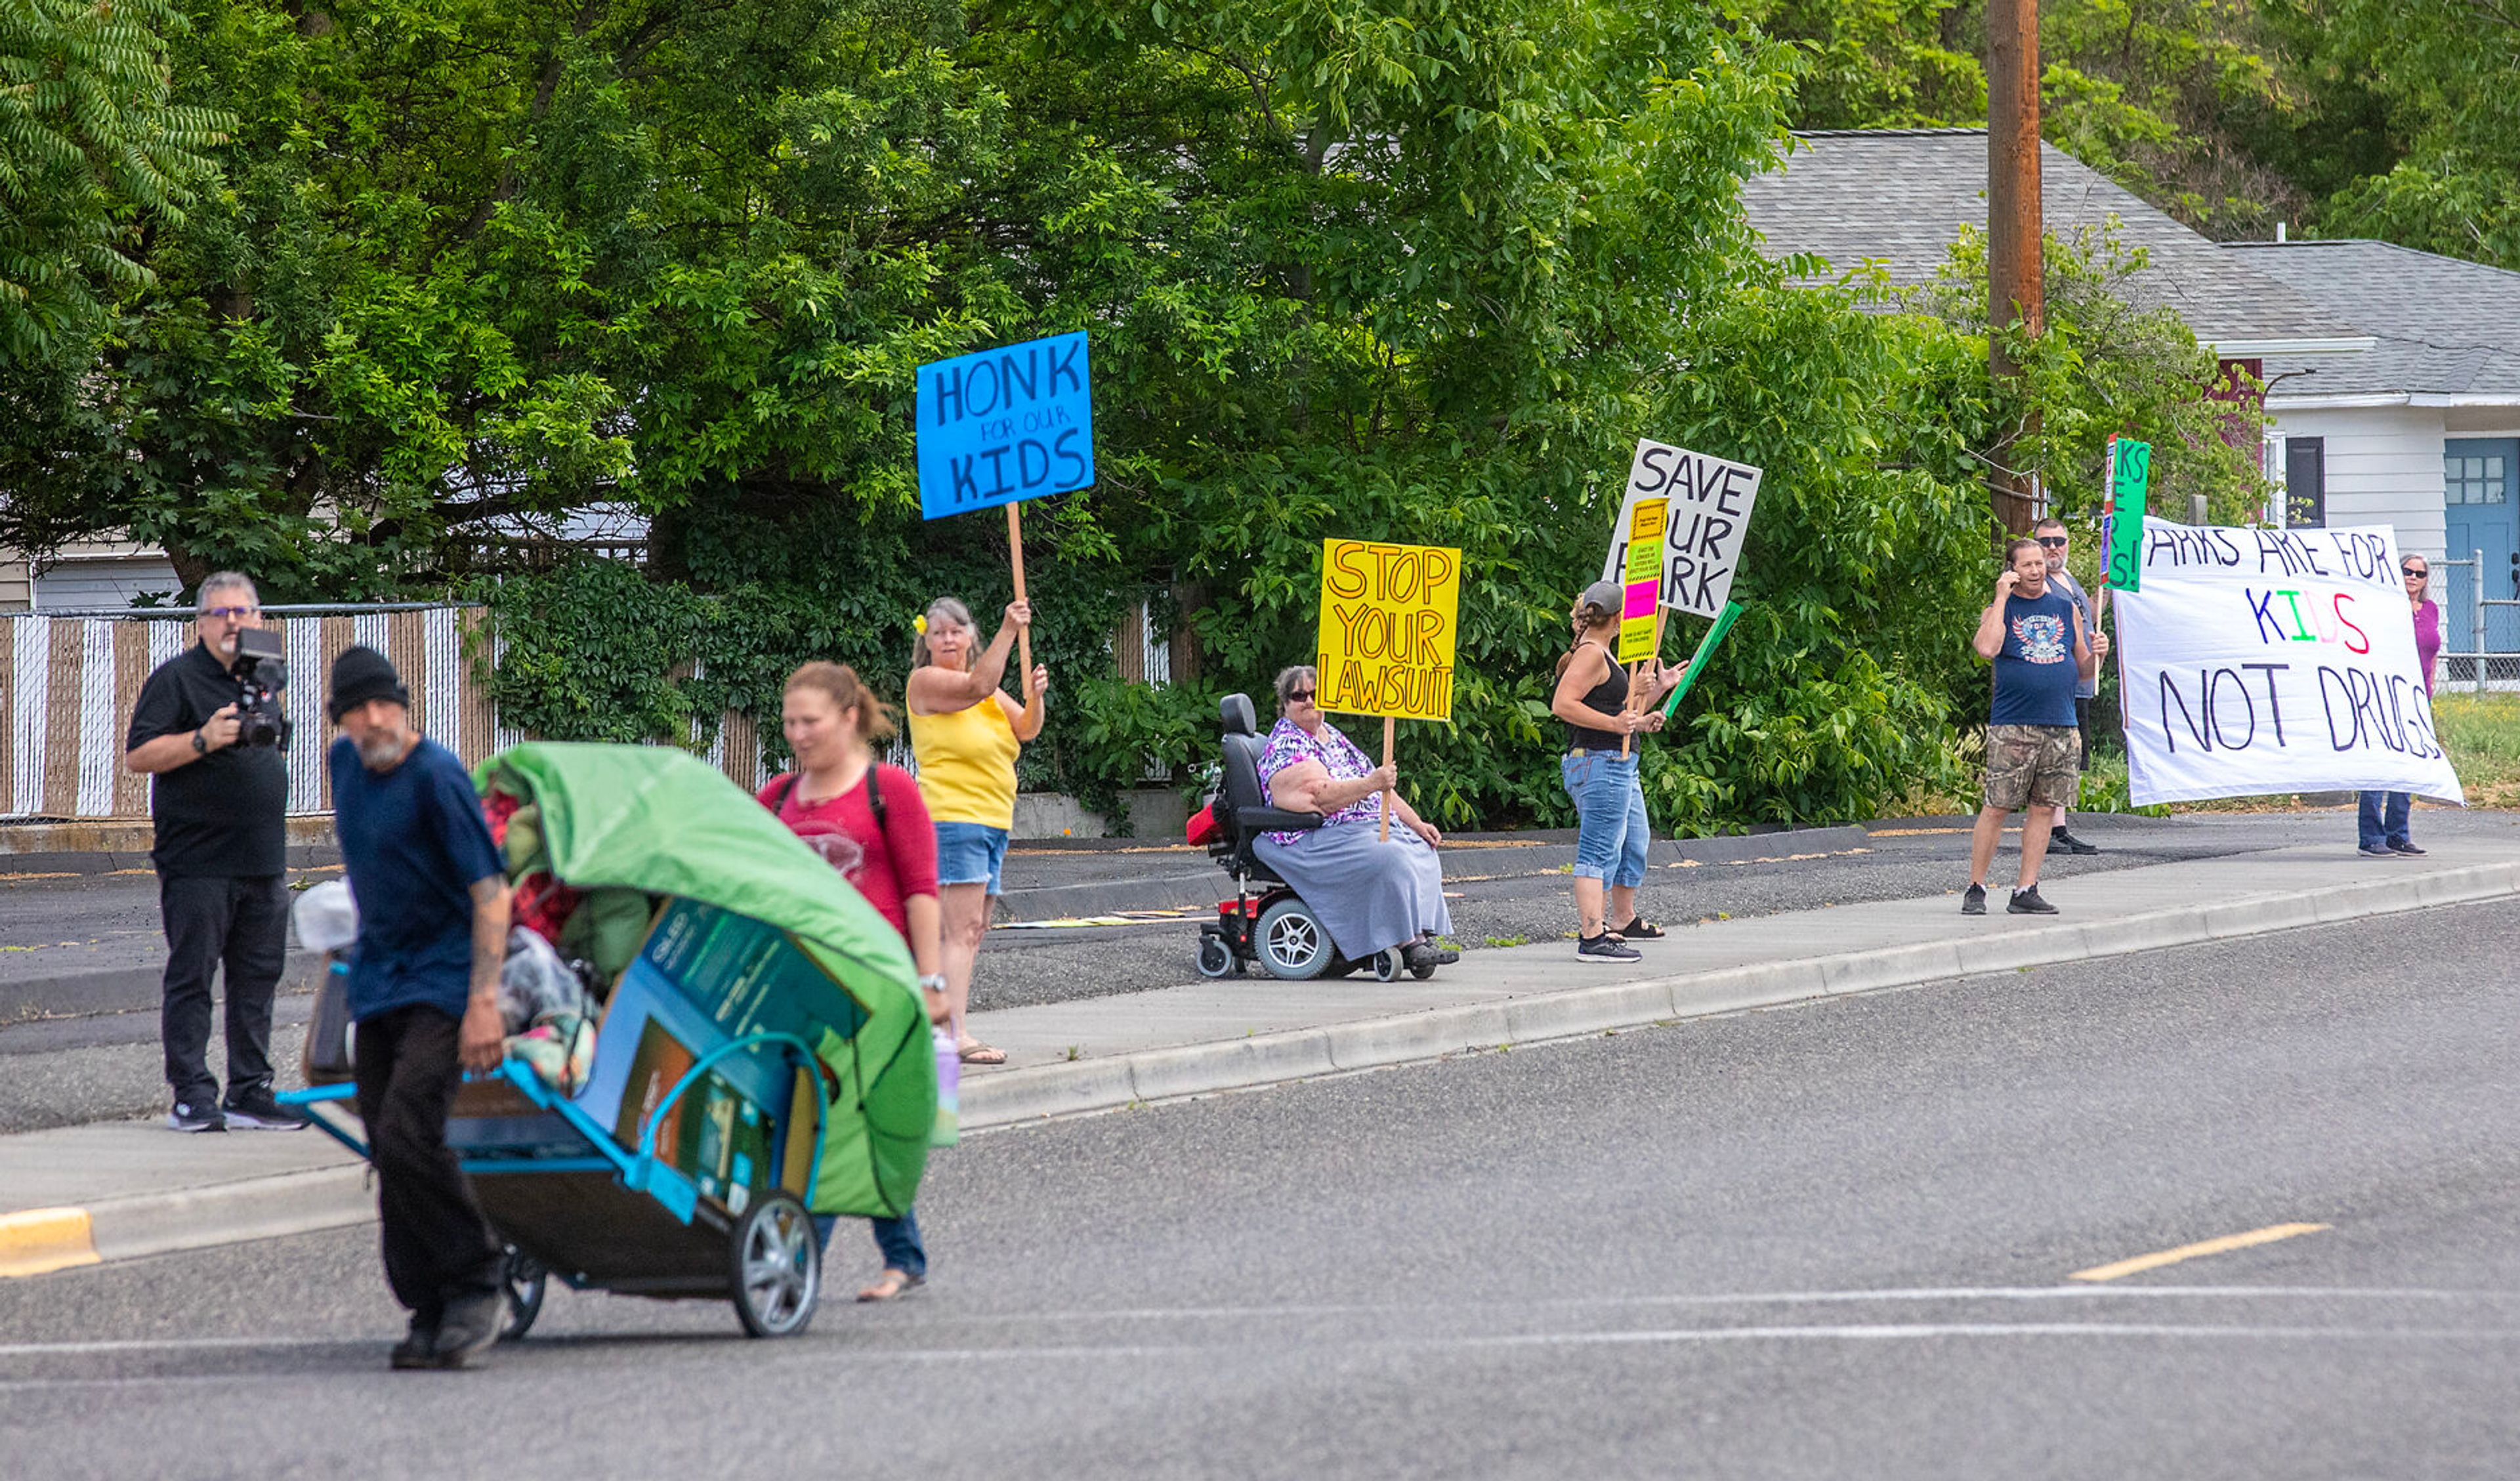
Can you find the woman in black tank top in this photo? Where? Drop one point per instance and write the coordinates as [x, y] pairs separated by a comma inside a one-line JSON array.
[[1592, 698]]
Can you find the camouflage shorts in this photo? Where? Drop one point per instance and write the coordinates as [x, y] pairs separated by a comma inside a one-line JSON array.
[[2032, 765]]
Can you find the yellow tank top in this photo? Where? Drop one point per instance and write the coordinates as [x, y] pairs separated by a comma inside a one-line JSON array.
[[967, 764]]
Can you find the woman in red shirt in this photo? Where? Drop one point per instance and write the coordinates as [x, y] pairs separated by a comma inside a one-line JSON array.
[[868, 820]]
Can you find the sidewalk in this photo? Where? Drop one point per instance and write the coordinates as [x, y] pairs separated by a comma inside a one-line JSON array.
[[79, 1194]]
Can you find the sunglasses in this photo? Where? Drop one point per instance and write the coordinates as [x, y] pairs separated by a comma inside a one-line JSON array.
[[2413, 570], [1300, 697], [231, 613], [2052, 542]]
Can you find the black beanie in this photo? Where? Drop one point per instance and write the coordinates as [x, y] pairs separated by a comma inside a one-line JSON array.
[[362, 674]]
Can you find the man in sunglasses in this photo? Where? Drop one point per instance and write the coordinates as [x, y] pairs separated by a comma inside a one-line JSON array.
[[222, 863], [2056, 544]]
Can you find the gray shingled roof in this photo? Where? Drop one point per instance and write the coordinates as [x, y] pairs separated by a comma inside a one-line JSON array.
[[1902, 194], [2446, 327]]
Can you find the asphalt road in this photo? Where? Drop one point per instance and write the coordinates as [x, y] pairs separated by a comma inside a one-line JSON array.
[[62, 1071], [1826, 1241]]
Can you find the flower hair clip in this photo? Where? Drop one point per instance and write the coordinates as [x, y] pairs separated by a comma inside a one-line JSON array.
[[918, 624]]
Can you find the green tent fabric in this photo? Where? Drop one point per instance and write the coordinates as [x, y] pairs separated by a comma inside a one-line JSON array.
[[658, 820]]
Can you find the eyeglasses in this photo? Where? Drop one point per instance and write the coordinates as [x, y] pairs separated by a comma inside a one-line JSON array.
[[231, 613], [1300, 697], [2052, 542], [2413, 570]]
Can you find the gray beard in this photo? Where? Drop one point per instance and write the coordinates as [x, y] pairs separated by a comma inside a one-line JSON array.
[[383, 754]]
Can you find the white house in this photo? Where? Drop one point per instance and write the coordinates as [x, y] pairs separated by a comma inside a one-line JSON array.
[[2423, 431], [2392, 376]]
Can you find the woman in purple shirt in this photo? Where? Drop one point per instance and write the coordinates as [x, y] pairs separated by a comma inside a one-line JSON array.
[[2383, 821]]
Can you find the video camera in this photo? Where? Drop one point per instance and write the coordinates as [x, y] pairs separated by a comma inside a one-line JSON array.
[[261, 672]]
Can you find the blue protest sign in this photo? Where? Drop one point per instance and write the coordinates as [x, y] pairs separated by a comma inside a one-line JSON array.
[[1005, 425]]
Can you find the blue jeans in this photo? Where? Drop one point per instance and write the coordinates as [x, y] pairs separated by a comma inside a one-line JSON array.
[[898, 1239], [971, 853], [2384, 818], [1610, 817]]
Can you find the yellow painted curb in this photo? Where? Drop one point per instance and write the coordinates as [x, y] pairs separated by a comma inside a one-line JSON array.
[[41, 1240]]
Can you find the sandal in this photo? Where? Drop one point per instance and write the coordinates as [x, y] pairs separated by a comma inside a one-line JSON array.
[[891, 1283], [1639, 929], [976, 1053]]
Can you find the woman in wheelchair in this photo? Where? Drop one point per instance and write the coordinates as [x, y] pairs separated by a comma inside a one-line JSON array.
[[1370, 893]]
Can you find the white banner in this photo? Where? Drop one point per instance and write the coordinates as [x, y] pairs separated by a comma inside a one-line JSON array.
[[2262, 660], [1709, 518]]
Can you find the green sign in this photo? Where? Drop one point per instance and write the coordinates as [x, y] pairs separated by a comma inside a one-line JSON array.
[[2129, 476], [1697, 660]]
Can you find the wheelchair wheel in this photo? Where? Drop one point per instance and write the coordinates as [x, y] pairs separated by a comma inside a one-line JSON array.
[[1216, 959], [1389, 965], [1293, 944]]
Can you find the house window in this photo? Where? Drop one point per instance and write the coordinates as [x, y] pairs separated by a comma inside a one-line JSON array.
[[2305, 482], [2474, 479]]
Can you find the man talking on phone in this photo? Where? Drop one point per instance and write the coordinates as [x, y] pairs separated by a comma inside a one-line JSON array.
[[2034, 636], [221, 859]]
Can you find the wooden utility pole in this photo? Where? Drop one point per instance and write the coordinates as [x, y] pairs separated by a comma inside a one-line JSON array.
[[2012, 219]]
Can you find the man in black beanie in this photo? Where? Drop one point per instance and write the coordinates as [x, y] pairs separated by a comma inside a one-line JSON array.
[[423, 987]]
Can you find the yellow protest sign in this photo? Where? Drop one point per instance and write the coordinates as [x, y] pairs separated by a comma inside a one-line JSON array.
[[1640, 622], [1389, 626]]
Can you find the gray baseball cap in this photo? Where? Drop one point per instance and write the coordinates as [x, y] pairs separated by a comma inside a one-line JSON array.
[[1604, 596]]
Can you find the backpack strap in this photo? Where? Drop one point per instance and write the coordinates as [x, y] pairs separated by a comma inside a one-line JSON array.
[[786, 786], [875, 794]]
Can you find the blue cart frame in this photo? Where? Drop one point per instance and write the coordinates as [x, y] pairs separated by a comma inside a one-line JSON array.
[[568, 1200]]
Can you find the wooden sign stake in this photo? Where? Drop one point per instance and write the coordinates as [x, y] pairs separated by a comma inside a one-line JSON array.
[[1388, 725], [1023, 633]]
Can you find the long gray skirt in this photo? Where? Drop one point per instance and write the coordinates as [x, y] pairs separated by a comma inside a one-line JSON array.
[[1368, 892]]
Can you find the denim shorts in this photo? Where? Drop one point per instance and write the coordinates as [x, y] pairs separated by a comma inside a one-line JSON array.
[[971, 853], [1612, 830]]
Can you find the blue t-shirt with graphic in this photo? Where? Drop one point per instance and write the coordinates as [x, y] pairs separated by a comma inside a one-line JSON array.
[[2035, 672]]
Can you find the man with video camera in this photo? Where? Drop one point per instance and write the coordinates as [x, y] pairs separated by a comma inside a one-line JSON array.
[[208, 728]]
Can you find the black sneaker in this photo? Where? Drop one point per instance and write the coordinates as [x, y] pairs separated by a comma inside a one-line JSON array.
[[1973, 900], [1606, 948], [469, 1327], [1639, 929], [195, 1119], [2063, 842], [2027, 902], [2407, 848], [259, 1112], [2379, 853], [415, 1349]]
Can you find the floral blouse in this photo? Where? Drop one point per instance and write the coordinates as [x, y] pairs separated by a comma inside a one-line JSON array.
[[1288, 745]]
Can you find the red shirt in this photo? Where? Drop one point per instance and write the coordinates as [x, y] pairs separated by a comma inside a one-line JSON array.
[[887, 865]]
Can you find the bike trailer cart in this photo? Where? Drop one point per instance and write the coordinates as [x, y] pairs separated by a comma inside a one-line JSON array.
[[764, 1056]]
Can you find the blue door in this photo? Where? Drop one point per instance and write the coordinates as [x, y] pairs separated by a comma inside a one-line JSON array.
[[2481, 506]]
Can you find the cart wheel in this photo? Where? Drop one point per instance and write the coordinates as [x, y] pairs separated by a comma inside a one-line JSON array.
[[1293, 944], [1389, 966], [778, 1267], [1215, 958], [523, 1280]]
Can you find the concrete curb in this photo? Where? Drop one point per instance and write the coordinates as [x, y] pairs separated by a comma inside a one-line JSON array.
[[123, 989], [37, 1240], [1022, 1096]]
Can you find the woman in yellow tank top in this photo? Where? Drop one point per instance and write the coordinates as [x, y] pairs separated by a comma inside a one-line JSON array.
[[966, 732]]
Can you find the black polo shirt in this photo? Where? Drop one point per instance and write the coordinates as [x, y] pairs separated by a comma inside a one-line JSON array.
[[219, 814]]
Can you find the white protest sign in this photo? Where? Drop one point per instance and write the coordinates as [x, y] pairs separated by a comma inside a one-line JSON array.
[[2262, 660], [1709, 518]]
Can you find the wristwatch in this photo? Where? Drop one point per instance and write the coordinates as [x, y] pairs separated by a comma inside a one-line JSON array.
[[200, 747], [932, 982]]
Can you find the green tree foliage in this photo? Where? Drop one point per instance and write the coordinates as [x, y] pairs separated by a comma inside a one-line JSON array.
[[2445, 71], [1418, 270], [90, 147]]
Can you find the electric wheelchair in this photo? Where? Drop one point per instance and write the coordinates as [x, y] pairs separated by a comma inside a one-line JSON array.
[[1266, 921]]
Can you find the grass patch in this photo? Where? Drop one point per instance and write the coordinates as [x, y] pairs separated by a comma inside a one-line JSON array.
[[2482, 733]]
